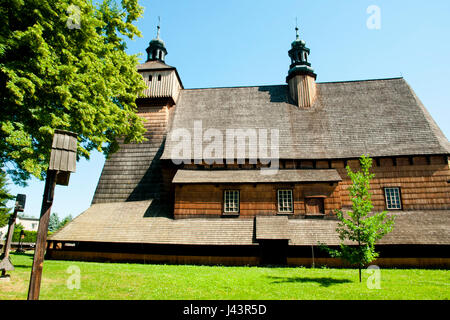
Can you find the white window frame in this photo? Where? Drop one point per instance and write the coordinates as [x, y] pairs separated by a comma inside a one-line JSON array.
[[285, 199], [393, 198], [231, 201]]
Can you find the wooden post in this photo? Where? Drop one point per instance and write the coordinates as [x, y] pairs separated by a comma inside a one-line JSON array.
[[38, 260], [5, 263], [7, 247], [62, 163]]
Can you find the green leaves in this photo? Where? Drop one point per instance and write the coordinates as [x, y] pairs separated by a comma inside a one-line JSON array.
[[360, 225], [77, 79], [5, 196]]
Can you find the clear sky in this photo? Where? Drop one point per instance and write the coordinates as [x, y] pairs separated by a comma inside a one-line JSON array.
[[245, 42]]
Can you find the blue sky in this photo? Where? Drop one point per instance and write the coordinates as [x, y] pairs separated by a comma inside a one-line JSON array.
[[245, 42]]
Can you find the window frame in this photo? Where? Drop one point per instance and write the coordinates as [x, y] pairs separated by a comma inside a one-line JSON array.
[[231, 213], [292, 201], [399, 198]]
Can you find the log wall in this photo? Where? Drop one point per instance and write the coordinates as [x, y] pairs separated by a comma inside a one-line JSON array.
[[395, 259], [206, 200], [133, 172], [423, 182]]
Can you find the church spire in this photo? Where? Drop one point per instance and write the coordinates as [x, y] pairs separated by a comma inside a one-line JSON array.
[[299, 54], [158, 28], [301, 77], [156, 50]]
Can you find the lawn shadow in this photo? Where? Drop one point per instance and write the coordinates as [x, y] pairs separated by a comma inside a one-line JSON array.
[[25, 256], [21, 266], [323, 281]]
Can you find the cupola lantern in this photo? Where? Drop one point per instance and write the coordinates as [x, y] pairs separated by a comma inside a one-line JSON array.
[[301, 77], [156, 50]]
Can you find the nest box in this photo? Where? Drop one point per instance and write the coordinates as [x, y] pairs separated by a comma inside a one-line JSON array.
[[63, 157]]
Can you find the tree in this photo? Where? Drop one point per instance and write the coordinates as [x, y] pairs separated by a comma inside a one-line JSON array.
[[54, 222], [63, 65], [359, 225], [64, 221], [4, 198]]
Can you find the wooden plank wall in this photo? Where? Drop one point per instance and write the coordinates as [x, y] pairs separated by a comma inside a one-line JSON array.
[[424, 262], [255, 199], [150, 258], [133, 172], [423, 182], [423, 186]]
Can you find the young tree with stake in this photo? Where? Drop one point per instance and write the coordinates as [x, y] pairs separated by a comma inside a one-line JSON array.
[[359, 225]]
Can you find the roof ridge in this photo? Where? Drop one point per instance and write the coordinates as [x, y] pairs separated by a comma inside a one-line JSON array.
[[363, 80], [285, 85], [238, 87]]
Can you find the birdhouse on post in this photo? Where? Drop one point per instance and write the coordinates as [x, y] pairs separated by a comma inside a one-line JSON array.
[[63, 158], [20, 202], [62, 163]]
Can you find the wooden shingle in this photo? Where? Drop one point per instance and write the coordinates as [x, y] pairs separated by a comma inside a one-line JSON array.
[[255, 176], [130, 222], [64, 151]]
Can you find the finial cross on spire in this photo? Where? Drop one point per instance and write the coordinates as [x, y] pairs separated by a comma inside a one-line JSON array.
[[296, 29], [159, 27]]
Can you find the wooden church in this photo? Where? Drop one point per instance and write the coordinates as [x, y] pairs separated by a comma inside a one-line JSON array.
[[252, 175]]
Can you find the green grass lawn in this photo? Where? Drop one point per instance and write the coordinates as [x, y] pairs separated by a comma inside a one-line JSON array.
[[138, 281]]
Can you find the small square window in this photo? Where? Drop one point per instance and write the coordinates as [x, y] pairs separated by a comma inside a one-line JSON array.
[[231, 201], [393, 200], [285, 202]]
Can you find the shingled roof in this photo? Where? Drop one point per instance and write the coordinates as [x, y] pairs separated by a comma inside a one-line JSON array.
[[378, 117], [154, 65], [255, 176], [272, 228], [142, 222]]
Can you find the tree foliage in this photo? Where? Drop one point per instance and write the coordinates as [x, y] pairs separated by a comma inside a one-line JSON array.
[[64, 221], [4, 198], [359, 225], [53, 222], [63, 65]]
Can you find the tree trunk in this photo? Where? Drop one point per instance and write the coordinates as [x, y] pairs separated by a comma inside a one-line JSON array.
[[359, 273]]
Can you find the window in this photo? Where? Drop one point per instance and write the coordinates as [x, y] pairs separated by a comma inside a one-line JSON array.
[[231, 201], [285, 203], [393, 200], [159, 77], [150, 78], [314, 205]]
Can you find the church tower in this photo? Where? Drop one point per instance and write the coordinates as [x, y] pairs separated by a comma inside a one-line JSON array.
[[301, 77], [162, 80], [135, 172]]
